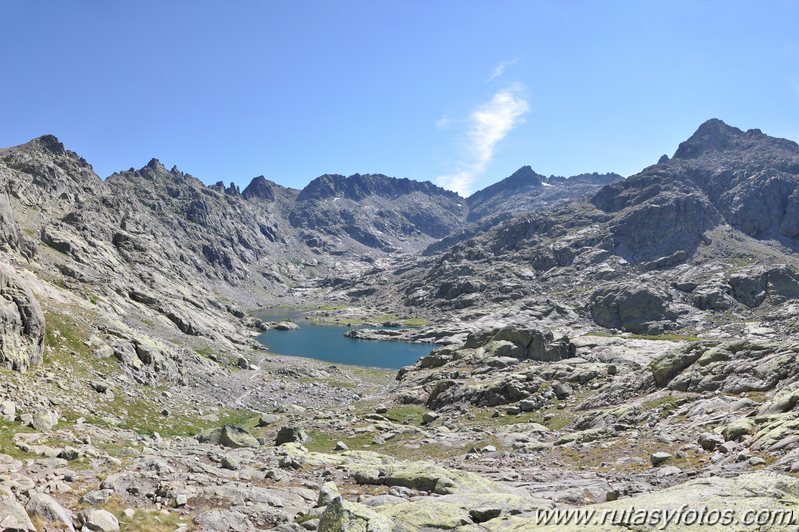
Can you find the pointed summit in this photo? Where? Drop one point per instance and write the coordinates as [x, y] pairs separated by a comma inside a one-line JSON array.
[[713, 135], [155, 165], [259, 188], [47, 143], [523, 178]]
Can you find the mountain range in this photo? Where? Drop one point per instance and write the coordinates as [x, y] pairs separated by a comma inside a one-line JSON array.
[[600, 341]]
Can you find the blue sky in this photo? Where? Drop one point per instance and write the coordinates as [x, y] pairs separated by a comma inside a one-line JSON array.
[[460, 92]]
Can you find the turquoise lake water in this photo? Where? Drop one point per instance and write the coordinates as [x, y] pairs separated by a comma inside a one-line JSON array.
[[328, 343]]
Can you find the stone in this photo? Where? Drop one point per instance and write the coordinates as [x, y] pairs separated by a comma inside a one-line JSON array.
[[181, 500], [236, 437], [749, 288], [430, 417], [345, 516], [70, 453], [267, 419], [327, 493], [290, 434], [8, 410], [341, 446], [286, 326], [43, 507], [709, 442], [99, 386], [99, 520], [528, 405], [44, 421], [230, 461], [738, 429], [13, 516], [659, 457], [562, 390], [96, 497]]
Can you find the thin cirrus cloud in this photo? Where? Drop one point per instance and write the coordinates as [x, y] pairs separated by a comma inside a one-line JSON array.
[[489, 123], [500, 69]]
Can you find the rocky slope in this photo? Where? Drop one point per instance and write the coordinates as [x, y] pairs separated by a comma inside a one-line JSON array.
[[604, 344]]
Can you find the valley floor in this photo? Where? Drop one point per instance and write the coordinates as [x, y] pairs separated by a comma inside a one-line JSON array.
[[476, 436]]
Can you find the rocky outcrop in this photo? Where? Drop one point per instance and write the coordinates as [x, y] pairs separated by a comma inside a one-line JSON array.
[[21, 323], [729, 367], [638, 309], [523, 343]]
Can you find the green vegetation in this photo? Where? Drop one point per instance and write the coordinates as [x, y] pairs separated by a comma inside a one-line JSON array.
[[8, 430], [325, 442], [406, 414], [144, 416], [65, 341], [666, 404]]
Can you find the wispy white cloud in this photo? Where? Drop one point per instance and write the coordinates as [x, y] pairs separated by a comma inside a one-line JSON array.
[[443, 122], [500, 69], [489, 123]]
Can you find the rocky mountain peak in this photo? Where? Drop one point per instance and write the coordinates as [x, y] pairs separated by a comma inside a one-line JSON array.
[[523, 178], [155, 165], [525, 175], [713, 135], [260, 188], [48, 143]]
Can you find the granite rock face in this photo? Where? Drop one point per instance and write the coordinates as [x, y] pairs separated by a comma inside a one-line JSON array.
[[21, 323]]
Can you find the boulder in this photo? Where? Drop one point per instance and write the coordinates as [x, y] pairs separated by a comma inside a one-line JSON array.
[[99, 521], [659, 457], [783, 283], [713, 295], [44, 421], [749, 288], [290, 434], [267, 419], [43, 507], [229, 436], [236, 437], [12, 514], [327, 493], [738, 429], [669, 365], [344, 516]]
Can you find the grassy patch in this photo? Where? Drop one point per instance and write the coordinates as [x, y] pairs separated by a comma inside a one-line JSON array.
[[144, 416], [65, 340], [625, 456], [8, 429], [325, 442], [406, 414]]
